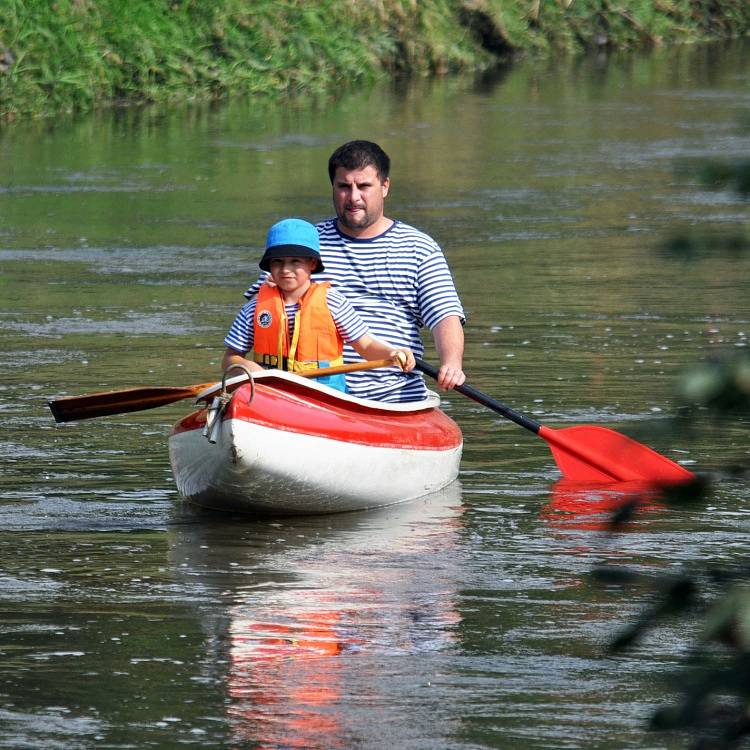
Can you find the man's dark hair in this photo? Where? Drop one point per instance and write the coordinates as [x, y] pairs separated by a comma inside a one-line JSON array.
[[358, 155]]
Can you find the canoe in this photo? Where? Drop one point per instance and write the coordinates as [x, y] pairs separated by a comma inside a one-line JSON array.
[[286, 445]]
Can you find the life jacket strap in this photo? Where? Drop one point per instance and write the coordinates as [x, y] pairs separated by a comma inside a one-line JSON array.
[[271, 360], [303, 366]]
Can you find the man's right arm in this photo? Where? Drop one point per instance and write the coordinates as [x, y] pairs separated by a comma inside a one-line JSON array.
[[449, 342], [439, 302]]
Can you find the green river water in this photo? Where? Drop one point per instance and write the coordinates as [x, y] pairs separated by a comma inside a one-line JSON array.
[[464, 620]]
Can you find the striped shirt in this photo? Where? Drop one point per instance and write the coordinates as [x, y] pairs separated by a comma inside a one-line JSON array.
[[350, 326], [398, 282]]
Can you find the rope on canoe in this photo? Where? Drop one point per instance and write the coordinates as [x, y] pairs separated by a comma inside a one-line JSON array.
[[219, 404]]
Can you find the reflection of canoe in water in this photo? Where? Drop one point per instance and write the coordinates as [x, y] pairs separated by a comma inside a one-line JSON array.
[[304, 618], [287, 445]]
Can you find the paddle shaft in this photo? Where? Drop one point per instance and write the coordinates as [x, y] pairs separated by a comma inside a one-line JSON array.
[[353, 367], [106, 403], [485, 400]]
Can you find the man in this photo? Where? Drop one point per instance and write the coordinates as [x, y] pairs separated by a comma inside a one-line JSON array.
[[395, 276]]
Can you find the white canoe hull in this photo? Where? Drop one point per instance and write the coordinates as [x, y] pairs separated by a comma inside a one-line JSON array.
[[271, 469], [256, 468]]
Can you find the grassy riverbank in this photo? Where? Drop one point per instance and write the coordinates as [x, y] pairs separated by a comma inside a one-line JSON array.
[[76, 55]]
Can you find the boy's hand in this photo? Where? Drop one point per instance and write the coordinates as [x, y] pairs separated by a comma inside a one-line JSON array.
[[404, 358]]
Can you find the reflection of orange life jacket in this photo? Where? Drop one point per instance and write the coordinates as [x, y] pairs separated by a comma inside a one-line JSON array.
[[315, 342], [271, 706]]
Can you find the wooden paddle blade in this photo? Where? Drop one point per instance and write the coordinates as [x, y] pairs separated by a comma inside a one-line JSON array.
[[589, 453], [89, 405]]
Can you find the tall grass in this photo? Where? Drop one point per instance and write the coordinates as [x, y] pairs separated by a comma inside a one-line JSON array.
[[79, 54]]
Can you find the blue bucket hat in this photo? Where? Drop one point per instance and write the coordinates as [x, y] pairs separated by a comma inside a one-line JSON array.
[[292, 238]]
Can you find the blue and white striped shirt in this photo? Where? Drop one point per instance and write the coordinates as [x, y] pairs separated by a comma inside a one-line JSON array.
[[350, 326], [398, 282]]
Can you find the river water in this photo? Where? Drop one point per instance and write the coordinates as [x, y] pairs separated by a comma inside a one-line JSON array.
[[463, 620]]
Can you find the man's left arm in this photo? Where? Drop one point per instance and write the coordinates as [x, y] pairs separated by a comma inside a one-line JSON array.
[[449, 342]]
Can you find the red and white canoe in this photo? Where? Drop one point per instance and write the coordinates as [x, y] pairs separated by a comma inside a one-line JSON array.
[[287, 445]]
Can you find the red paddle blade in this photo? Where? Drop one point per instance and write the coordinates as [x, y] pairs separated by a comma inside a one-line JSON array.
[[587, 453]]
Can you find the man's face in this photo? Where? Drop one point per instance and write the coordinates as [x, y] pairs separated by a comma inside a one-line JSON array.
[[358, 197]]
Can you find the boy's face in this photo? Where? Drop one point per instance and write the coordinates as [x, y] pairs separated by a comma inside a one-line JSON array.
[[289, 274]]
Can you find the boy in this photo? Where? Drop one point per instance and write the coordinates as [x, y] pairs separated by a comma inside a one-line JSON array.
[[295, 323]]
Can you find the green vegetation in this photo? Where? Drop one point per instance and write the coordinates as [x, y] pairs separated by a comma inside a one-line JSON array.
[[76, 55], [709, 599]]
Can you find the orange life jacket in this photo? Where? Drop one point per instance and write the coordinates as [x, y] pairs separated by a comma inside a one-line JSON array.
[[316, 341]]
